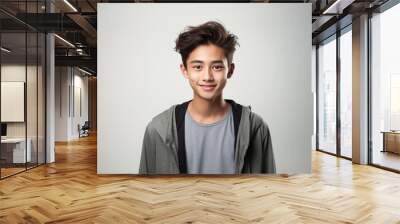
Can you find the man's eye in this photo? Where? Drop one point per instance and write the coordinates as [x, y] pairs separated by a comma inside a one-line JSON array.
[[197, 67], [218, 67]]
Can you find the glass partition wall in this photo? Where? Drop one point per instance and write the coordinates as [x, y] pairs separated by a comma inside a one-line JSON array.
[[334, 93], [22, 88]]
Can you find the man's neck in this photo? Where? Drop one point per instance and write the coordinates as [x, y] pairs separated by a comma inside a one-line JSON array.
[[208, 111]]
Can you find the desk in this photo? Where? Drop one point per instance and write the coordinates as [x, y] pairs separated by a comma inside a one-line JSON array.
[[16, 151], [391, 141]]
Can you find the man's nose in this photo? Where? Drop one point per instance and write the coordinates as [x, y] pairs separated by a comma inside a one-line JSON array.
[[208, 75]]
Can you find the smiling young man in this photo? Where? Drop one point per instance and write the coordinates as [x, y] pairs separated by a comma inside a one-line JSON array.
[[208, 134]]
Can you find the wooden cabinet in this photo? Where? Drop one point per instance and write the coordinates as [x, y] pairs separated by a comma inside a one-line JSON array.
[[391, 142]]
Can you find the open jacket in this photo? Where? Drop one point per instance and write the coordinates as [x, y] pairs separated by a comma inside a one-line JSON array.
[[164, 150]]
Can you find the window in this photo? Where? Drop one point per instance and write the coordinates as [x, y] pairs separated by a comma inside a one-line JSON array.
[[385, 88], [346, 93], [327, 96]]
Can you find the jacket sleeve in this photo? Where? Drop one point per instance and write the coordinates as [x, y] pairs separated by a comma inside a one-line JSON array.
[[268, 165], [146, 161]]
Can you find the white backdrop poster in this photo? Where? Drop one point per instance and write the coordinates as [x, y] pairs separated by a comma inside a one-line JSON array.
[[139, 75]]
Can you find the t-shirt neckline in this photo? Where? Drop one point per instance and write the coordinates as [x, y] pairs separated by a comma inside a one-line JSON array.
[[211, 124]]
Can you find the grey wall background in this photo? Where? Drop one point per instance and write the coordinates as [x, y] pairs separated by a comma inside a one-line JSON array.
[[139, 77]]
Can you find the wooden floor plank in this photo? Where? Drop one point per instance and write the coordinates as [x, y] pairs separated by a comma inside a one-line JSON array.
[[70, 191]]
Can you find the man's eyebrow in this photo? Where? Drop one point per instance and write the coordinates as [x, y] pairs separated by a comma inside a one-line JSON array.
[[196, 61], [212, 62], [217, 61]]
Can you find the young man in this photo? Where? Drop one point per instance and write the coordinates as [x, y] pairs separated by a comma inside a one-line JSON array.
[[208, 134]]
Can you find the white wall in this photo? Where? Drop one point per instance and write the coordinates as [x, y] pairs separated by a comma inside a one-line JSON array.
[[138, 74], [67, 80], [61, 103], [18, 73], [80, 83]]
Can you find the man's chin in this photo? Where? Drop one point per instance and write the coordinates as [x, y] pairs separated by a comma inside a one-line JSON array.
[[210, 97]]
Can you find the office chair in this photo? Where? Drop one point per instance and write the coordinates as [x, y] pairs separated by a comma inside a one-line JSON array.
[[84, 130]]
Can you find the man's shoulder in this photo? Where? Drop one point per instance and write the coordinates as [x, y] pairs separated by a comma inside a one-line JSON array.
[[254, 118], [162, 118], [257, 122]]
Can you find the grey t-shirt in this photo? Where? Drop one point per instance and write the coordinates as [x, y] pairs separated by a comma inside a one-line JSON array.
[[210, 147]]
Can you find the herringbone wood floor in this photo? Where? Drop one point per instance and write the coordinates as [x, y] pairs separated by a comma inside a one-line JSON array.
[[70, 191]]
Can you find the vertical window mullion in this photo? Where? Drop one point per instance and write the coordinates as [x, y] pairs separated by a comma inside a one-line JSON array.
[[26, 86], [338, 73], [0, 91], [317, 96], [37, 89], [369, 91]]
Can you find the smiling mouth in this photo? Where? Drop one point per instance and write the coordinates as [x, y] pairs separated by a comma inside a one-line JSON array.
[[208, 87]]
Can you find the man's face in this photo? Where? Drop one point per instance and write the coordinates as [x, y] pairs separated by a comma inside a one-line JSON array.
[[207, 70]]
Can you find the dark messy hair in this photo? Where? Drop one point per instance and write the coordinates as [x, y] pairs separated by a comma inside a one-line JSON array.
[[208, 33]]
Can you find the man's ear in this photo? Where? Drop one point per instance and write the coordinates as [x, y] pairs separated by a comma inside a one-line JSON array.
[[184, 71], [230, 70]]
